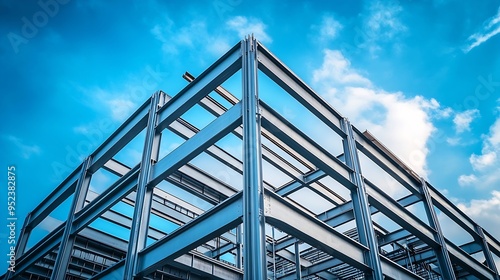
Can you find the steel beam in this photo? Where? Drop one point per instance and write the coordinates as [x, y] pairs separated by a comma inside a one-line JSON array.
[[196, 263], [186, 131], [196, 144], [121, 137], [191, 261], [298, 268], [468, 263], [288, 218], [116, 167], [487, 253], [41, 249], [56, 197], [106, 200], [344, 212], [217, 109], [305, 146], [395, 271], [394, 236], [214, 76], [313, 269], [188, 177], [386, 162], [493, 243], [283, 215], [68, 240], [286, 79], [394, 211], [452, 211], [471, 247], [144, 191], [114, 272], [212, 223]]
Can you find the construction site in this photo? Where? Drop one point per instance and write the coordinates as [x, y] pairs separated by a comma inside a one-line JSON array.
[[249, 191]]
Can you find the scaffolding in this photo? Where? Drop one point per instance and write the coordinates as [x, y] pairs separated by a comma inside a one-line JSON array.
[[259, 229]]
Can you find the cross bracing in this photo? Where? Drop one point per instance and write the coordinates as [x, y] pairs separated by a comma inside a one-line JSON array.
[[322, 222]]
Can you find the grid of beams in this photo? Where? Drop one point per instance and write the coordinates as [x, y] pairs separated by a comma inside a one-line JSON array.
[[261, 226]]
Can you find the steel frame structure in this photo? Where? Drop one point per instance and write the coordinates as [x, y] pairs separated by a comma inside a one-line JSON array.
[[242, 223]]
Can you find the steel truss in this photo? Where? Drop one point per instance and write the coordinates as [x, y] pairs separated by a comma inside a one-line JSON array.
[[244, 223]]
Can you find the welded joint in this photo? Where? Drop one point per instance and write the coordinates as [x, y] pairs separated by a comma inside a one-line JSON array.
[[161, 100]]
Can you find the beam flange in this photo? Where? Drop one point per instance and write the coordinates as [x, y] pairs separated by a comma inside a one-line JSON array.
[[212, 223]]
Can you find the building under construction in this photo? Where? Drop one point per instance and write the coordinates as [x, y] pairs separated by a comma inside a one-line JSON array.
[[253, 193]]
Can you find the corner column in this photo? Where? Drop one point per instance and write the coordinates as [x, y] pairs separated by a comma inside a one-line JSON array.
[[254, 261]]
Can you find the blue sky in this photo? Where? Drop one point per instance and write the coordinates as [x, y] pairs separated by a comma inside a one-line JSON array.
[[422, 76]]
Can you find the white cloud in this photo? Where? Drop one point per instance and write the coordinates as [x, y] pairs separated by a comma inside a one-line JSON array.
[[463, 120], [491, 27], [336, 70], [466, 180], [382, 24], [486, 212], [487, 164], [195, 34], [480, 162], [402, 124], [26, 151], [329, 28], [246, 26]]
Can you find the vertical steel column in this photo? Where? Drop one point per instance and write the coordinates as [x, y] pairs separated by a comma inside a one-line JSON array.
[[361, 208], [442, 255], [487, 253], [254, 261], [67, 241], [298, 270], [144, 196], [239, 246], [274, 254]]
